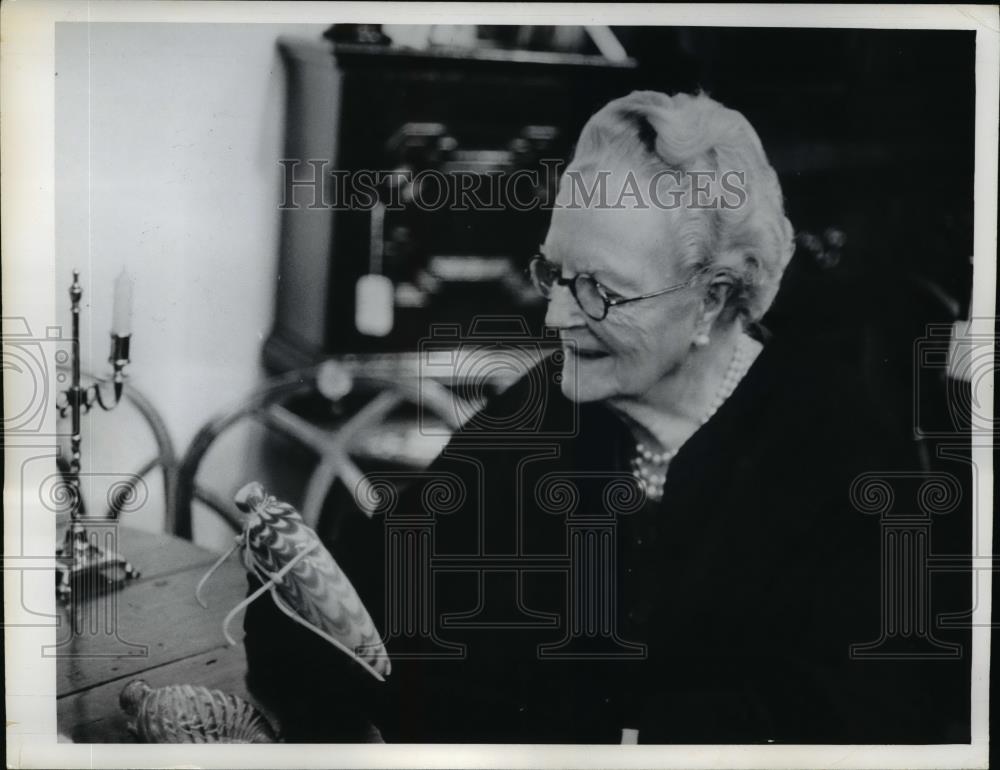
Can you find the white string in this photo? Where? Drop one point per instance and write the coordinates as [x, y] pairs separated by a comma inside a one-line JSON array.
[[275, 578], [211, 571]]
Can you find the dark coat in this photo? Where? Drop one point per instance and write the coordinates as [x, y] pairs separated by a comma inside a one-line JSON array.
[[724, 614]]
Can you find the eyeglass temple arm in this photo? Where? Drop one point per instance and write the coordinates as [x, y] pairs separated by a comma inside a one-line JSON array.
[[725, 275], [623, 300]]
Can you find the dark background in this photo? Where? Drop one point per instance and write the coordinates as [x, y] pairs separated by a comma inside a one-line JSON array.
[[871, 131]]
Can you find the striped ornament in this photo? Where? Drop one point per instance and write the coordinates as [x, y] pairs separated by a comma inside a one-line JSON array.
[[184, 713], [304, 581]]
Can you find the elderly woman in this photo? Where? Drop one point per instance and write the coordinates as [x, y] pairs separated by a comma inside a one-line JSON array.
[[650, 536], [664, 360]]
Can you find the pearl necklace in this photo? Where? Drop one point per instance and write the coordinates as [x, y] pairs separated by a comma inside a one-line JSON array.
[[649, 467]]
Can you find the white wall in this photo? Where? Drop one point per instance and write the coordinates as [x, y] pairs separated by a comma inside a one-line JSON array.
[[167, 137]]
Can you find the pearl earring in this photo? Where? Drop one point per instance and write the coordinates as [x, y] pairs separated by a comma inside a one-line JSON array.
[[701, 340]]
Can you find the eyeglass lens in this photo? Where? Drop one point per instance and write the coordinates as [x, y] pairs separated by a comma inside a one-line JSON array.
[[588, 296], [584, 287]]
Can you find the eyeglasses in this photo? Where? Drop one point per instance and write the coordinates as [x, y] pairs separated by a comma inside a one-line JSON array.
[[593, 298]]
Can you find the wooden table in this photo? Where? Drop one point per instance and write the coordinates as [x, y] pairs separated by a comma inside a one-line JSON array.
[[153, 629]]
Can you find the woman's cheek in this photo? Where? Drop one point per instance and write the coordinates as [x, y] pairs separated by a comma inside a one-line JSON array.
[[632, 369]]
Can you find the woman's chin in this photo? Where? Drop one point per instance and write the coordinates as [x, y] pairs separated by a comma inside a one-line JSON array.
[[587, 379]]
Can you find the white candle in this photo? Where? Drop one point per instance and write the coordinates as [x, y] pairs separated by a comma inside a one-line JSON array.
[[121, 318]]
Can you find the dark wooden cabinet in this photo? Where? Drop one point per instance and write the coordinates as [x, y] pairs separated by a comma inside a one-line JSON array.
[[505, 118]]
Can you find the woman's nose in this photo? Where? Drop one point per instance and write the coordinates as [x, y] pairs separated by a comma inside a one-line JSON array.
[[563, 312]]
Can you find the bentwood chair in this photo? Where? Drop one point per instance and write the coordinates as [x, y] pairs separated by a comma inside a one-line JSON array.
[[305, 430]]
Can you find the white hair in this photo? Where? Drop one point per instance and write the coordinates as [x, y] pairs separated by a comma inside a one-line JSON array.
[[651, 132]]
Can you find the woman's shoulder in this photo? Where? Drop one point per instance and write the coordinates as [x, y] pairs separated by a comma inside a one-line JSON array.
[[814, 375], [807, 401]]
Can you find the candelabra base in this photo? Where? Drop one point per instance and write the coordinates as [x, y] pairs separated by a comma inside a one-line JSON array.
[[85, 564]]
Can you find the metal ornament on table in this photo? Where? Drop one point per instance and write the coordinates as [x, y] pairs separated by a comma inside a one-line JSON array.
[[78, 556]]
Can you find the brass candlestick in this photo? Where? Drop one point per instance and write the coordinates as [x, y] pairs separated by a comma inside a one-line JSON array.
[[81, 555]]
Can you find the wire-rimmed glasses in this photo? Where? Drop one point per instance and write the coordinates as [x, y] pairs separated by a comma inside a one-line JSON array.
[[594, 299]]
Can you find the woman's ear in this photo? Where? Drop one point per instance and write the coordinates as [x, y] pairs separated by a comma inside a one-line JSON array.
[[713, 302], [717, 294]]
